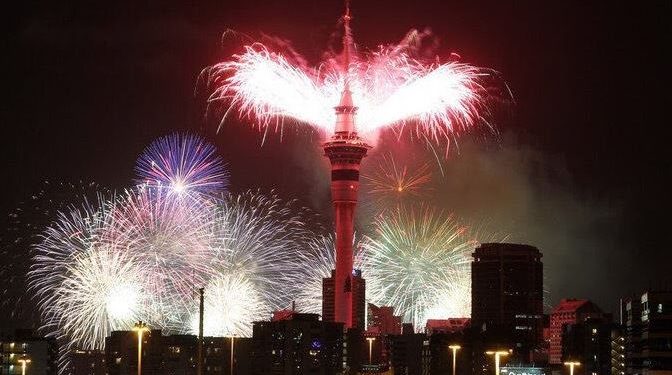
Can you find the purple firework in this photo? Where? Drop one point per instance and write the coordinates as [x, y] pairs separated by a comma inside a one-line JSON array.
[[183, 163]]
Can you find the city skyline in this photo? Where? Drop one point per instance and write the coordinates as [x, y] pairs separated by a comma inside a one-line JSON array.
[[555, 184]]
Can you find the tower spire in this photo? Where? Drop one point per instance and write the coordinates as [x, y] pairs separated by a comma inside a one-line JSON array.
[[345, 111], [347, 39]]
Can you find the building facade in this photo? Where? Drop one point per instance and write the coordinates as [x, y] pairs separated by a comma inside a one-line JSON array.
[[300, 345], [648, 333], [358, 291], [569, 311], [87, 362], [410, 353], [589, 343], [507, 295], [175, 354], [24, 348]]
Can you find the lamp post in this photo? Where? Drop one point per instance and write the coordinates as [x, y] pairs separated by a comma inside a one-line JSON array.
[[370, 340], [24, 363], [454, 348], [497, 354], [571, 365], [231, 369], [140, 327]]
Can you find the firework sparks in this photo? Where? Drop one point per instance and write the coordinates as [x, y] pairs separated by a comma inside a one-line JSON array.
[[22, 231], [184, 164], [256, 240], [391, 181], [231, 303], [142, 254], [418, 261], [85, 288], [168, 236], [389, 87]]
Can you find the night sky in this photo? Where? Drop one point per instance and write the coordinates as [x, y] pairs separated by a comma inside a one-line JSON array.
[[580, 168]]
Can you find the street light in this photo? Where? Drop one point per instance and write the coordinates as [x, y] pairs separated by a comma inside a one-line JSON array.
[[231, 369], [24, 363], [140, 328], [370, 340], [498, 354], [571, 365], [454, 348]]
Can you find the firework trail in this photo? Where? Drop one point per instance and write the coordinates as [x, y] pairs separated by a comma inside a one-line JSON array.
[[390, 86], [418, 260], [182, 163]]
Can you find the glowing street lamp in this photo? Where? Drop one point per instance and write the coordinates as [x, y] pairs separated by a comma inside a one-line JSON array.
[[571, 365], [140, 328], [24, 363], [454, 348], [370, 340], [497, 354]]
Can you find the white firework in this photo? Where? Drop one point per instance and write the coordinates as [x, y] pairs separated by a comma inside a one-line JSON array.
[[418, 261]]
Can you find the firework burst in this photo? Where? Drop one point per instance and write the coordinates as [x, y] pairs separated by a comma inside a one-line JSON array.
[[418, 261], [389, 86], [23, 229], [392, 182], [85, 289], [232, 302], [168, 236], [183, 164], [256, 240]]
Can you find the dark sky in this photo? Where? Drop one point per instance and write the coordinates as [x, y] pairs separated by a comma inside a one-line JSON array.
[[581, 170]]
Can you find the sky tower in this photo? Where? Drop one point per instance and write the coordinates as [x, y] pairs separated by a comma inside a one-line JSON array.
[[345, 150]]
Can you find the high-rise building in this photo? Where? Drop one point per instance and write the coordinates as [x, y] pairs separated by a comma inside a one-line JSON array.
[[648, 333], [358, 294], [300, 345], [589, 343], [23, 346], [507, 295], [569, 311]]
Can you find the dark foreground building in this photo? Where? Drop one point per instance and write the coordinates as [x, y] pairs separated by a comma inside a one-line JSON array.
[[87, 362], [410, 353], [507, 298], [648, 333], [589, 343], [301, 344], [358, 299], [174, 354], [25, 345]]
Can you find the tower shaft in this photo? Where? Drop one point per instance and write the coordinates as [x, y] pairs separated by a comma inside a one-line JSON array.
[[345, 151]]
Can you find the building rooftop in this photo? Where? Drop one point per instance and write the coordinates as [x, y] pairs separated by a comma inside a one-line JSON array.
[[571, 304]]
